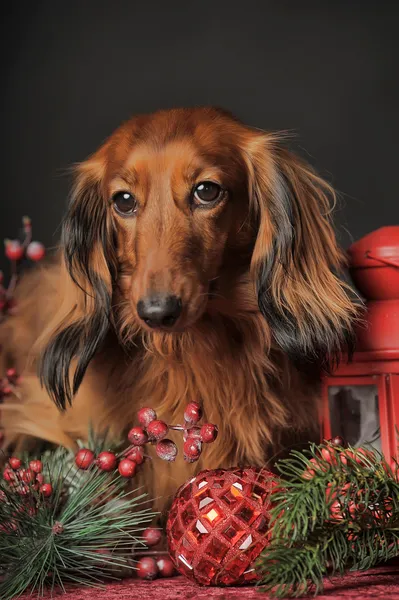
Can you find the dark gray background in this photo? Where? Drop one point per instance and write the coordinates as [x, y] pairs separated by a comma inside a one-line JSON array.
[[327, 71]]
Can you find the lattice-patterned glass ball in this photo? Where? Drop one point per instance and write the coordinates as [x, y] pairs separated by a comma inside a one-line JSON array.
[[219, 524]]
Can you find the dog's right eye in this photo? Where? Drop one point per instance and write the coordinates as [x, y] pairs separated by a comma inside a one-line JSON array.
[[124, 203]]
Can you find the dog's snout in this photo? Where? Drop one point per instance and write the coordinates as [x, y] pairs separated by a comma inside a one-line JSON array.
[[160, 310]]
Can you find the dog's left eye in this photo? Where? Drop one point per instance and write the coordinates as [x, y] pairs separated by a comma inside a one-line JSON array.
[[124, 203], [207, 192]]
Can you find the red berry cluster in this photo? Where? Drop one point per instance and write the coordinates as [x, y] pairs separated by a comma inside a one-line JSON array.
[[153, 563], [153, 431], [15, 251], [9, 383], [27, 480]]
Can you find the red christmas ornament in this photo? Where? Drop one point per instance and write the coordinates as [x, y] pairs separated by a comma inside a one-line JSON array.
[[219, 524], [84, 458], [107, 461]]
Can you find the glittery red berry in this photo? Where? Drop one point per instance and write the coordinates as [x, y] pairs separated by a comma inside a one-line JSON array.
[[136, 454], [192, 450], [157, 430], [14, 463], [167, 450], [137, 436], [26, 475], [40, 478], [35, 251], [152, 536], [46, 489], [165, 566], [13, 249], [209, 433], [84, 459], [192, 432], [147, 568], [146, 415], [8, 474], [36, 466], [193, 413], [127, 468], [11, 373], [106, 461]]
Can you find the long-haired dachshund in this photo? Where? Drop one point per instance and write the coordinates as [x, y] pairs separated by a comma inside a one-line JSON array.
[[198, 263]]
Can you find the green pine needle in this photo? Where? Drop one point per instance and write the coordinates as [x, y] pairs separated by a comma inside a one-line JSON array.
[[345, 517], [83, 534]]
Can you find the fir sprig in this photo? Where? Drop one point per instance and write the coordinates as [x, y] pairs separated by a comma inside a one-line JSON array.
[[338, 510], [82, 535]]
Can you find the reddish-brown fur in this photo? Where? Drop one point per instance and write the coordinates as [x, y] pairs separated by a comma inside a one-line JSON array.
[[223, 352]]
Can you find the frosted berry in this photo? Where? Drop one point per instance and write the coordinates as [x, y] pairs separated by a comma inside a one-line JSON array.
[[157, 430], [136, 454], [84, 459], [165, 566], [27, 476], [13, 249], [137, 436], [36, 466], [192, 450], [209, 433], [338, 441], [35, 251], [193, 413], [46, 489], [192, 432], [146, 415], [152, 536], [147, 568], [106, 461], [40, 478], [167, 450], [127, 468], [8, 475], [14, 463]]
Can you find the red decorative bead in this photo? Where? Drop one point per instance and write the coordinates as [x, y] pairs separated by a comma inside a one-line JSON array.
[[35, 251], [167, 450], [106, 461], [152, 536], [46, 489], [137, 436], [208, 433], [147, 568], [146, 415], [13, 249], [136, 454], [192, 450], [165, 566], [193, 413], [127, 468], [36, 466], [157, 430], [218, 525], [14, 463], [84, 459], [192, 432]]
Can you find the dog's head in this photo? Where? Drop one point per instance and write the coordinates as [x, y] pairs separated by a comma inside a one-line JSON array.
[[172, 205]]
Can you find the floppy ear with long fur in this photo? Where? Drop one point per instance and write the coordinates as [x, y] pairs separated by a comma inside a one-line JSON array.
[[296, 258], [90, 266]]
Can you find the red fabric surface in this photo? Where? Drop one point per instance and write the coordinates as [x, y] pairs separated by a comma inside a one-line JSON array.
[[380, 583]]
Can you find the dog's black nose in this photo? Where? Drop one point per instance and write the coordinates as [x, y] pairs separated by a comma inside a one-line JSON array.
[[159, 311]]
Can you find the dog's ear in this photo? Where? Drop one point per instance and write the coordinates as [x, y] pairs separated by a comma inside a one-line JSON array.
[[296, 260], [90, 267]]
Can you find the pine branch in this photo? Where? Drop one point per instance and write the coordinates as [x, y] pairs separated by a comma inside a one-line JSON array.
[[339, 510]]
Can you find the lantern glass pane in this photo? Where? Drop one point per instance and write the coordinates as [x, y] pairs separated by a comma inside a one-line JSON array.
[[354, 414]]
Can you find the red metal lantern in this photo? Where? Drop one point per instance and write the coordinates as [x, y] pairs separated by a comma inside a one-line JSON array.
[[361, 399]]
